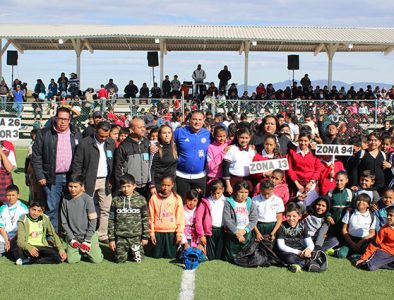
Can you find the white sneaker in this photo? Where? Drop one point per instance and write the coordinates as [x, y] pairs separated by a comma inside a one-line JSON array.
[[21, 261]]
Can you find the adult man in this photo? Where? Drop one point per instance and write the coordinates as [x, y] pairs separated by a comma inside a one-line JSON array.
[[94, 161], [73, 85], [199, 76], [166, 87], [62, 84], [52, 155], [132, 157], [111, 85], [3, 95], [176, 87], [91, 129], [224, 77], [306, 83], [192, 145], [131, 90]]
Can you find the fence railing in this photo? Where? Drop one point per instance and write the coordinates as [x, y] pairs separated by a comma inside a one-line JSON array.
[[368, 113]]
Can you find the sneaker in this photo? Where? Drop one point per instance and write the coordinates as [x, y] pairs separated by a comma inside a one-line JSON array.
[[330, 252], [354, 257], [295, 268], [22, 261]]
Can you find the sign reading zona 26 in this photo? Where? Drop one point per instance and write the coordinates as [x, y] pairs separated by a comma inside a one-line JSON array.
[[268, 165], [337, 150], [9, 128]]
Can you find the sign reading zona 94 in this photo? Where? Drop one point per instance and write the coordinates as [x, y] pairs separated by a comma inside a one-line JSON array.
[[9, 128], [337, 150], [268, 165]]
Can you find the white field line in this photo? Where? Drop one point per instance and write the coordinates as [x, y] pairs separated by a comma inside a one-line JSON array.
[[187, 286]]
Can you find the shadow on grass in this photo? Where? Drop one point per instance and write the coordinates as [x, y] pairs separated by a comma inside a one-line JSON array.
[[19, 170]]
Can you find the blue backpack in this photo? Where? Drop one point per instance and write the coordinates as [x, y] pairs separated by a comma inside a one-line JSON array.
[[192, 257]]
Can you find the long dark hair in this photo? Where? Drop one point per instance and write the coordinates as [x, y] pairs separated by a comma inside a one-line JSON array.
[[239, 132], [172, 144], [261, 127]]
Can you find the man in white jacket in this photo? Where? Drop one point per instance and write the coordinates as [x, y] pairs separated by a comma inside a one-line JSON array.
[[199, 77]]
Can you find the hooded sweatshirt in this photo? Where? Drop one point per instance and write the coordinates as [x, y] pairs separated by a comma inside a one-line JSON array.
[[314, 221]]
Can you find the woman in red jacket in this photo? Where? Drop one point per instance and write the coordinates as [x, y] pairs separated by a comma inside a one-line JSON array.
[[304, 167]]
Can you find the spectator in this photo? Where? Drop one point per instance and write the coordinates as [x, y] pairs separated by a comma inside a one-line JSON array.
[[166, 87], [224, 77], [73, 87], [93, 160], [111, 86], [63, 84], [261, 91], [176, 87], [155, 91], [52, 155], [306, 83], [91, 129], [144, 91], [212, 90], [131, 90], [199, 77], [3, 95], [52, 89], [18, 101]]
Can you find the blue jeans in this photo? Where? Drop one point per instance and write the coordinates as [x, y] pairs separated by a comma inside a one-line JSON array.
[[54, 194], [3, 99], [18, 108]]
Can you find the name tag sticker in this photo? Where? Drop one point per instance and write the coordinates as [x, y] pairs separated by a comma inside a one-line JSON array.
[[200, 153], [109, 153], [145, 156]]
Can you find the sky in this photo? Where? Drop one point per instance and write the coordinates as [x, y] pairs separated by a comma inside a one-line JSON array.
[[264, 67]]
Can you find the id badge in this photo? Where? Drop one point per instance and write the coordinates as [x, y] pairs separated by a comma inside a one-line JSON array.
[[145, 156], [109, 153], [200, 153]]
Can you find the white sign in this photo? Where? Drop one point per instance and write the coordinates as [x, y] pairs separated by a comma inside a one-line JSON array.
[[9, 128], [268, 165], [338, 150]]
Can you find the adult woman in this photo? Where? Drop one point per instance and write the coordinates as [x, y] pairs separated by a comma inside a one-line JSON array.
[[165, 160], [7, 165], [270, 125]]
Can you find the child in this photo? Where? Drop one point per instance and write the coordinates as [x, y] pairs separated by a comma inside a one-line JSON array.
[[79, 220], [33, 230], [304, 169], [315, 223], [239, 219], [280, 187], [358, 228], [237, 160], [380, 208], [295, 246], [216, 153], [341, 199], [270, 151], [209, 221], [380, 255], [128, 228], [154, 134], [114, 134], [123, 134], [367, 182], [190, 239], [270, 210], [359, 143], [329, 167], [10, 213], [166, 220]]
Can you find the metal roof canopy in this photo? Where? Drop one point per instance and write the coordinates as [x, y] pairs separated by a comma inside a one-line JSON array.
[[197, 38]]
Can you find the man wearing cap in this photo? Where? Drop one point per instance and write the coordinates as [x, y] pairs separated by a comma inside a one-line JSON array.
[[91, 129], [199, 77], [94, 161], [52, 155]]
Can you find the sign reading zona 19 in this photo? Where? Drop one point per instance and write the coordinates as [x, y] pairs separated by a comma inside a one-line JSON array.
[[9, 128], [268, 165], [338, 150]]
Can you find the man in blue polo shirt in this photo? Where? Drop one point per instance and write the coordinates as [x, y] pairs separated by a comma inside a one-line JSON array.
[[192, 144]]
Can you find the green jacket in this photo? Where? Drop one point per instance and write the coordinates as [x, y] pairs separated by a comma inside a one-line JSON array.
[[48, 230], [128, 217]]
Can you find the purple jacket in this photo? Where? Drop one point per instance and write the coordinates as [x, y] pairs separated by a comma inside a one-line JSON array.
[[203, 219]]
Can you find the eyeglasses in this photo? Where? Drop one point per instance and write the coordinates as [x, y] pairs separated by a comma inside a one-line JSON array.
[[62, 119]]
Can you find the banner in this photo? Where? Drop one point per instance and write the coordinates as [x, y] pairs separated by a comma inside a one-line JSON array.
[[268, 165], [9, 128]]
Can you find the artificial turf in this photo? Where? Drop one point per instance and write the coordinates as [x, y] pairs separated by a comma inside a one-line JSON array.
[[161, 279]]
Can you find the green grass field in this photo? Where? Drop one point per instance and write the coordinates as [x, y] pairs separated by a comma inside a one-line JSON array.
[[161, 279]]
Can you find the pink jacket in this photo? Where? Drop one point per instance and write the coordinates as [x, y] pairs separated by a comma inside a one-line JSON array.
[[282, 191], [203, 219], [215, 159]]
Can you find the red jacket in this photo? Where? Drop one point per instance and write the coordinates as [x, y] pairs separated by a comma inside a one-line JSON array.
[[384, 241], [325, 183], [304, 168]]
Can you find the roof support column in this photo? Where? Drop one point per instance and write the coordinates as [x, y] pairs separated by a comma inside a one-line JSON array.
[[2, 51], [78, 46], [330, 49], [163, 51], [246, 67]]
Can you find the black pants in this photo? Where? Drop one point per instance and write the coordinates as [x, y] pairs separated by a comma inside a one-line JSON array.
[[185, 185], [46, 255]]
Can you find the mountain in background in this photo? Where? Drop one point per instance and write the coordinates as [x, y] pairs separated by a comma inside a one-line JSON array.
[[282, 85]]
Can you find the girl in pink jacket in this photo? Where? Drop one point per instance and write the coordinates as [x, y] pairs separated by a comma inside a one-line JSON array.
[[209, 221], [216, 153]]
